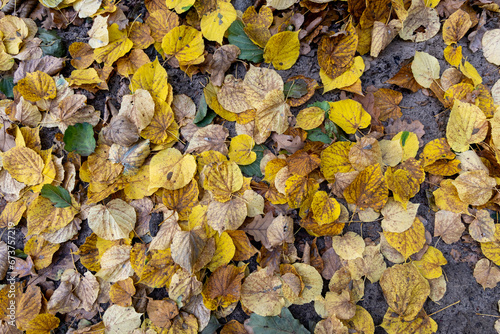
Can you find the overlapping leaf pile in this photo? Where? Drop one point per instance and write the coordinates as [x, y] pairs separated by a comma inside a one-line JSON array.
[[232, 197]]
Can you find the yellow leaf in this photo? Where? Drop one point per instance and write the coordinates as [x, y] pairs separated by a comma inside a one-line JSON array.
[[336, 51], [185, 43], [310, 118], [159, 269], [223, 179], [41, 251], [467, 125], [37, 86], [224, 251], [14, 31], [349, 115], [470, 72], [24, 165], [335, 159], [408, 242], [369, 189], [119, 45], [12, 213], [153, 78], [486, 274], [240, 150], [397, 218], [115, 264], [409, 143], [171, 170], [325, 210], [453, 55], [215, 23], [347, 78], [282, 50], [456, 26], [405, 290], [394, 324], [180, 6], [43, 323], [425, 69], [430, 264]]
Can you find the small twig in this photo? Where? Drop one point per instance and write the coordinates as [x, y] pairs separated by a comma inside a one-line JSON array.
[[444, 308]]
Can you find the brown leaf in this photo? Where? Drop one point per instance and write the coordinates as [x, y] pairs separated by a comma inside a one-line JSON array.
[[210, 137], [404, 78], [221, 61], [161, 312]]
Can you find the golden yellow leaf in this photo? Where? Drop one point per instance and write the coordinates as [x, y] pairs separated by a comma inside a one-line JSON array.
[[336, 51], [467, 125], [224, 251], [185, 43], [43, 217], [12, 214], [349, 115], [408, 242], [41, 251], [153, 78], [24, 165], [162, 129], [300, 190], [453, 55], [456, 26], [171, 170], [364, 153], [119, 45], [43, 323], [395, 324], [180, 6], [223, 179], [37, 86], [430, 264], [405, 290], [240, 150], [282, 50], [325, 210], [159, 269], [409, 144], [335, 159], [83, 55], [310, 118], [369, 189], [347, 78], [215, 23]]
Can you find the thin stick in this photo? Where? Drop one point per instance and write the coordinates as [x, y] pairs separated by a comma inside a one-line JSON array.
[[444, 308], [488, 315]]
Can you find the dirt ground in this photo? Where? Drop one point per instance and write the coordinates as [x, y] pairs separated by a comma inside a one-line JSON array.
[[470, 314]]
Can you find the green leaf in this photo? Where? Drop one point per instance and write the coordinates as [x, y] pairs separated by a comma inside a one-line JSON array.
[[334, 131], [58, 195], [321, 104], [404, 136], [295, 89], [207, 120], [249, 50], [52, 44], [6, 86], [80, 138], [254, 168], [213, 326], [284, 323], [318, 135], [202, 110]]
